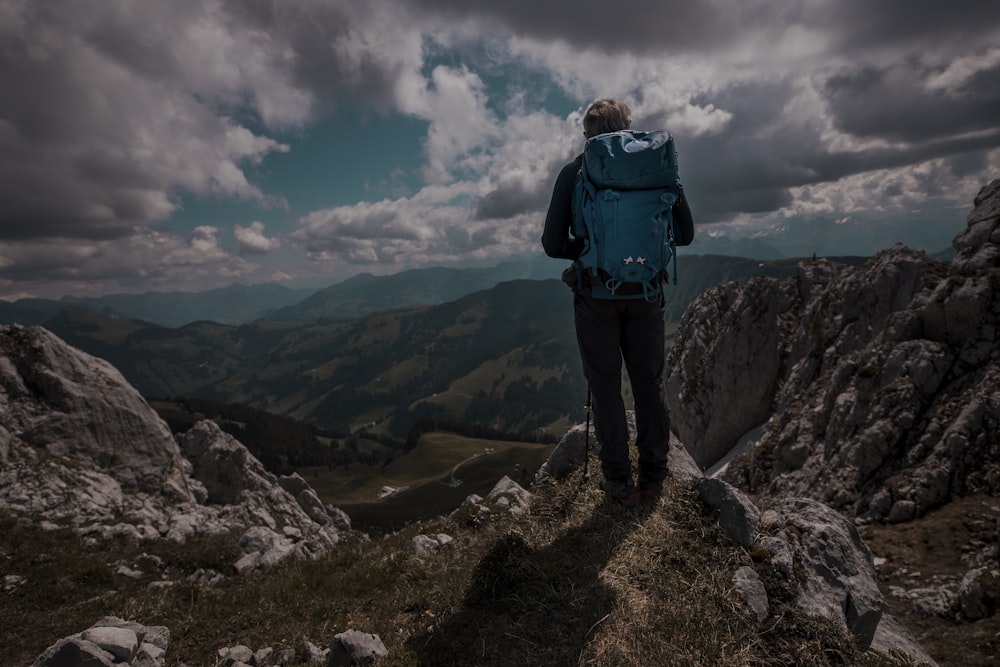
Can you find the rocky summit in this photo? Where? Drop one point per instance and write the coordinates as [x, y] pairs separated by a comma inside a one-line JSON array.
[[874, 389]]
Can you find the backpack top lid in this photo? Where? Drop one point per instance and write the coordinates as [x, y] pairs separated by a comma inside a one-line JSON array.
[[631, 160]]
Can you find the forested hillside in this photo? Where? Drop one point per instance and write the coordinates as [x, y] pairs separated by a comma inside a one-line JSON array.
[[504, 357]]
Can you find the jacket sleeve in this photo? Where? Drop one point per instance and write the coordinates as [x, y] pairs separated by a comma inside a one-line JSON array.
[[559, 218]]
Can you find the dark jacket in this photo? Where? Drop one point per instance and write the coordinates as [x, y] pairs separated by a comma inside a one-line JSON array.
[[559, 219]]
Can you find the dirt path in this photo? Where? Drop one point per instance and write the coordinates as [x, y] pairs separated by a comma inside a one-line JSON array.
[[938, 549]]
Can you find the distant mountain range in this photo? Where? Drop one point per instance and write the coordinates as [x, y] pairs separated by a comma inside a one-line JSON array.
[[365, 294], [237, 304], [849, 236], [504, 356], [228, 305]]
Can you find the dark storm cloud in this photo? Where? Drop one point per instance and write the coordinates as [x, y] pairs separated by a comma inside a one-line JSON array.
[[626, 26], [896, 103], [748, 166], [106, 114], [312, 31], [639, 26], [927, 25], [512, 200], [895, 48]]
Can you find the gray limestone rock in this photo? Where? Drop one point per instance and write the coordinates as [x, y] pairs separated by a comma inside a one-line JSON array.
[[506, 496], [892, 637], [721, 378], [81, 446], [427, 545], [781, 555], [110, 642], [509, 495], [122, 643], [840, 574], [751, 590], [875, 388], [355, 648], [70, 404], [75, 652], [940, 600], [263, 657], [235, 655], [979, 593], [570, 453], [737, 515], [979, 245], [311, 653]]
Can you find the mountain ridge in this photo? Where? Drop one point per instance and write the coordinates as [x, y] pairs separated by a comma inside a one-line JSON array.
[[459, 359], [365, 293]]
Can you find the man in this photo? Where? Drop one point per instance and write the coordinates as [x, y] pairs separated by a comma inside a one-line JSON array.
[[608, 330]]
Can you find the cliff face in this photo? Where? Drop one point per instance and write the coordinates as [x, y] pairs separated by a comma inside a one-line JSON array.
[[875, 389], [78, 408]]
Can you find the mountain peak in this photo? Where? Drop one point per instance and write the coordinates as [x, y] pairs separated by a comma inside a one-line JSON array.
[[978, 247]]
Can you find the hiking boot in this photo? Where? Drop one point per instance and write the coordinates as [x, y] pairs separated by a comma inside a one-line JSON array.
[[623, 493], [650, 494]]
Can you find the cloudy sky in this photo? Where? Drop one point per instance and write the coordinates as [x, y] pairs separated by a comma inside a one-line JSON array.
[[187, 144]]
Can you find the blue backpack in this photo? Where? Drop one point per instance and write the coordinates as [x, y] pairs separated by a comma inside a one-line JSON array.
[[622, 208]]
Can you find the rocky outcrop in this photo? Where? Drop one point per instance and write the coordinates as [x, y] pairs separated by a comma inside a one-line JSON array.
[[721, 379], [73, 407], [875, 389], [81, 447], [113, 642], [110, 642], [978, 246], [814, 550], [816, 553], [355, 648]]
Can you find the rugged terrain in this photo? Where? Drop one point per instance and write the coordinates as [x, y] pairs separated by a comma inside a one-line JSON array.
[[843, 409], [89, 468], [874, 389]]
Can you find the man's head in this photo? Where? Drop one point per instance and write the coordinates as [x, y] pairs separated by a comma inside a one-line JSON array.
[[607, 115]]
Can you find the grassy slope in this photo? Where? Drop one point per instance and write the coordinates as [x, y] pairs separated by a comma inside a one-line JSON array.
[[577, 582], [427, 476]]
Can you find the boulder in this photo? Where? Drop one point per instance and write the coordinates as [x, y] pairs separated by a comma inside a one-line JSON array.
[[738, 517], [979, 593], [355, 648], [426, 545], [721, 377], [840, 580], [110, 642], [57, 399]]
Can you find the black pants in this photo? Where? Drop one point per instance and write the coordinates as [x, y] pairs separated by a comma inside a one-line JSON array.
[[609, 330]]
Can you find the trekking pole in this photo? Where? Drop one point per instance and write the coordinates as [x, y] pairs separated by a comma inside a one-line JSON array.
[[588, 408]]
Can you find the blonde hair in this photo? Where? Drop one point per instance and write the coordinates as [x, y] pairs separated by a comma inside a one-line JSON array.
[[607, 115]]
